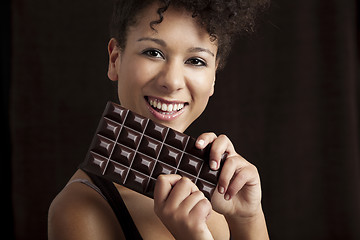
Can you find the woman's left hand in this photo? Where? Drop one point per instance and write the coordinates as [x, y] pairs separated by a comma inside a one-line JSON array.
[[238, 193]]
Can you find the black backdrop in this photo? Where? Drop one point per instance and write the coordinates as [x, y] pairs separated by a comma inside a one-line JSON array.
[[288, 98]]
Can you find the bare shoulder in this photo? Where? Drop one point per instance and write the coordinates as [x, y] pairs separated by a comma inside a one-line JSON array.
[[79, 212]]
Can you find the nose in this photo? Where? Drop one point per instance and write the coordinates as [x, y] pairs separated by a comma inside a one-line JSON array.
[[171, 78]]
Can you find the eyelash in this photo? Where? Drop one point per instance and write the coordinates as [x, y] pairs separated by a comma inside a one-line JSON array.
[[200, 62], [155, 53], [148, 52]]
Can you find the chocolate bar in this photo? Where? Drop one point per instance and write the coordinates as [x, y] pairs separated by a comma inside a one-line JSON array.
[[133, 151]]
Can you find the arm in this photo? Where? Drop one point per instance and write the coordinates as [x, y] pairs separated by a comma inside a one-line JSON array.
[[238, 195]]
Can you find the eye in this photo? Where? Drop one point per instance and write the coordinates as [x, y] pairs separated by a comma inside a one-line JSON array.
[[153, 53], [196, 62]]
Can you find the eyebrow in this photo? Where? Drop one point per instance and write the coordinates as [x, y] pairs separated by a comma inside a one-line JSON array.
[[199, 49], [163, 44], [155, 40]]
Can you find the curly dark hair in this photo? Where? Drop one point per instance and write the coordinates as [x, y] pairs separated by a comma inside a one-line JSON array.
[[223, 19]]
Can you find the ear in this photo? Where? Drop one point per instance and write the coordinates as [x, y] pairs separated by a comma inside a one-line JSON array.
[[212, 87], [114, 55]]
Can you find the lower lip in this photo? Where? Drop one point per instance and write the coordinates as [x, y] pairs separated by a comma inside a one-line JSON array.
[[165, 117]]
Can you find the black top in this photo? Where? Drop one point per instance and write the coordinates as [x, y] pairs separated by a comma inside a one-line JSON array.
[[117, 204]]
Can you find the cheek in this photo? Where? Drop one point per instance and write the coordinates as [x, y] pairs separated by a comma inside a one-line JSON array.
[[142, 73], [140, 70], [202, 86], [128, 74], [201, 89], [127, 83], [133, 77]]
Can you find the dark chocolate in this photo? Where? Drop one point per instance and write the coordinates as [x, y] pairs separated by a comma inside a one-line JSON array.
[[133, 151]]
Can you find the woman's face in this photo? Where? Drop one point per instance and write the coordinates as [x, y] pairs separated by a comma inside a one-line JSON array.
[[166, 75]]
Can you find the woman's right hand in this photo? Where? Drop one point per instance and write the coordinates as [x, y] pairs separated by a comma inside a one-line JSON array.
[[182, 208]]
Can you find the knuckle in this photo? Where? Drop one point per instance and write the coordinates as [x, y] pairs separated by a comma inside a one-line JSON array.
[[237, 160], [205, 204], [161, 178], [186, 181], [199, 194], [211, 134], [202, 194], [232, 161], [208, 135], [251, 169], [223, 136]]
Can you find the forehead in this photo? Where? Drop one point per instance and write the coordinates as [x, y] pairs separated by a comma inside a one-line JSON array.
[[175, 22]]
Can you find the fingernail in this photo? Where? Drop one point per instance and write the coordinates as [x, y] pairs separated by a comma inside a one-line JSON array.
[[201, 142], [213, 165], [227, 197], [221, 190]]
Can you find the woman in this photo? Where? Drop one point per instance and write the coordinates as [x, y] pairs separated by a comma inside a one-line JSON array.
[[164, 56]]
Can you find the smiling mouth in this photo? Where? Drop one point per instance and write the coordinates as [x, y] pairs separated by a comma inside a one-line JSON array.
[[165, 107]]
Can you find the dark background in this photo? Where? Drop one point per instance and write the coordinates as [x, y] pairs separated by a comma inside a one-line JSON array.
[[288, 99]]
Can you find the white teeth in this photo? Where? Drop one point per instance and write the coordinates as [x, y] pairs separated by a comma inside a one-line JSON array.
[[170, 107], [165, 107]]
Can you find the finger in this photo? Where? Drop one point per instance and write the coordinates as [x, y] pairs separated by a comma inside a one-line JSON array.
[[181, 190], [163, 187], [245, 176], [201, 210], [190, 202], [204, 139], [230, 168], [219, 147]]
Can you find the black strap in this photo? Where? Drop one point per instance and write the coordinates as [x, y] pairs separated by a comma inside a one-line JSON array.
[[118, 206]]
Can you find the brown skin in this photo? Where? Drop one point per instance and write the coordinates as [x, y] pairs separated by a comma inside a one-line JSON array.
[[178, 68], [79, 212]]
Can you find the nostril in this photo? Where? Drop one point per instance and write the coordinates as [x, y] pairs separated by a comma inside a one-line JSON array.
[[171, 87], [171, 80]]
